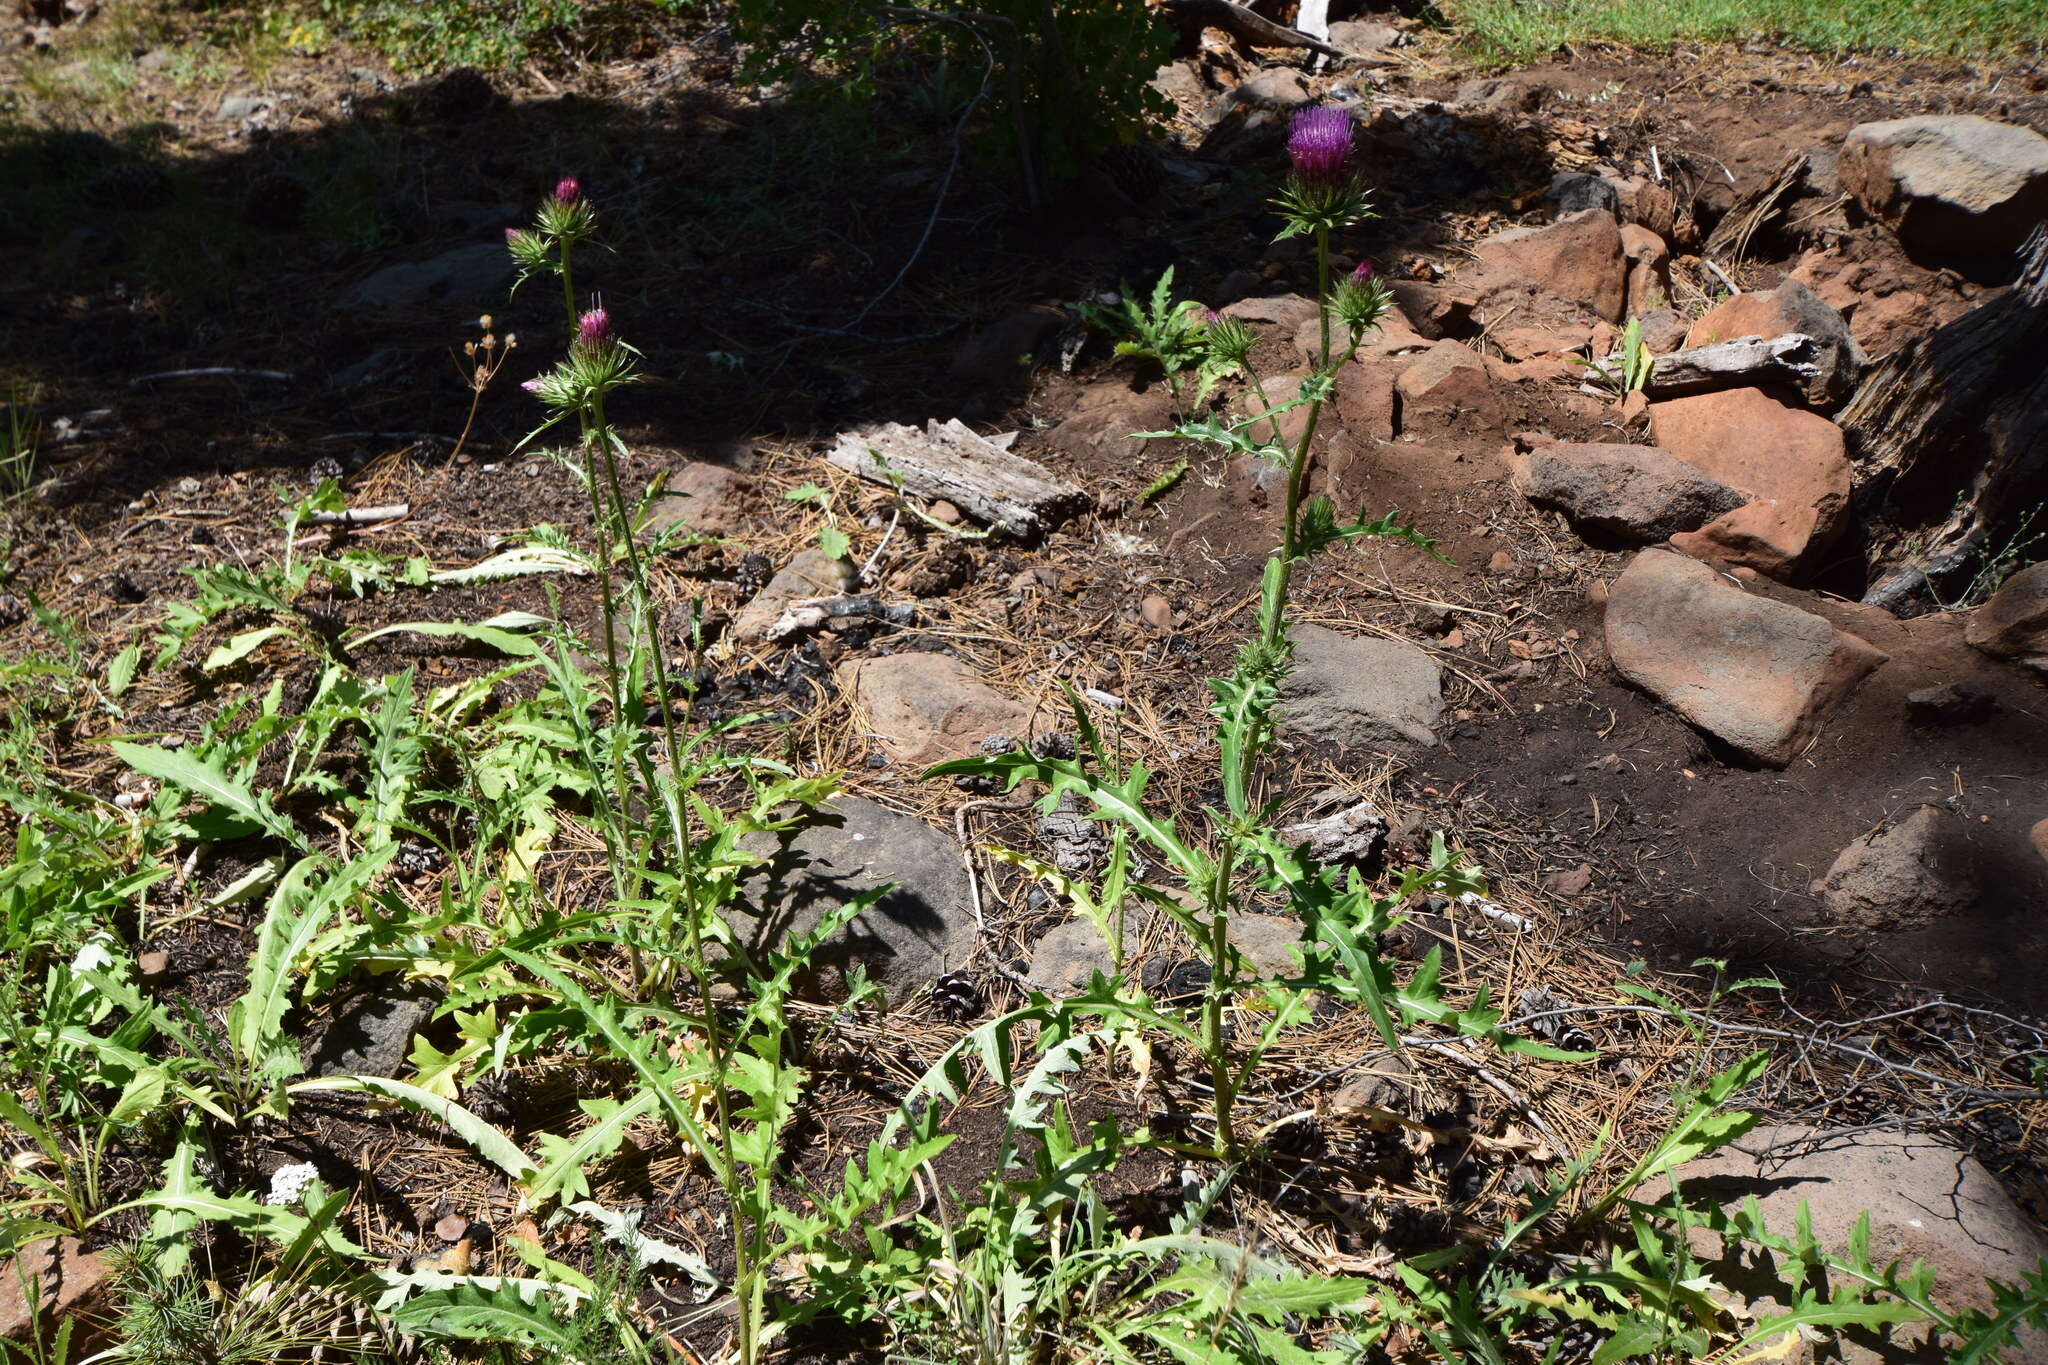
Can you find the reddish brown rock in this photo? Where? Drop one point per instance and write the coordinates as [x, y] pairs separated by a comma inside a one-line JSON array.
[[1789, 308], [926, 708], [812, 573], [1789, 460], [1648, 204], [2038, 836], [1579, 258], [67, 1282], [1649, 269], [1447, 390], [1908, 875], [1102, 421], [1272, 391], [1364, 400], [2014, 623], [1756, 674], [706, 498], [1925, 1201]]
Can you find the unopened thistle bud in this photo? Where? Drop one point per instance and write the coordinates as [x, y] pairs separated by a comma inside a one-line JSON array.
[[1362, 273], [1361, 300], [568, 190], [1230, 342], [1319, 145], [529, 249]]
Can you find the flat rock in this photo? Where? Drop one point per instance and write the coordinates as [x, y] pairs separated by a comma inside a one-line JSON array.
[[1577, 191], [1102, 421], [1363, 37], [1756, 674], [1360, 690], [927, 708], [813, 573], [1067, 957], [1446, 390], [469, 276], [1949, 184], [2014, 623], [1663, 330], [1001, 353], [1909, 875], [1951, 703], [1790, 461], [915, 934], [67, 1282], [1579, 259], [1619, 494], [1790, 308], [371, 1033], [706, 498], [1926, 1201]]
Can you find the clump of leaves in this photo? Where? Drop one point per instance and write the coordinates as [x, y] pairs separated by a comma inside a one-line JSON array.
[[1628, 370]]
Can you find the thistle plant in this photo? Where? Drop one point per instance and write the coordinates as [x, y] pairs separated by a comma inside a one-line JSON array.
[[1242, 855]]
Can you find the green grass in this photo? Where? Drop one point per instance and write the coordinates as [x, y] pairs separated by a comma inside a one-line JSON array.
[[1521, 30]]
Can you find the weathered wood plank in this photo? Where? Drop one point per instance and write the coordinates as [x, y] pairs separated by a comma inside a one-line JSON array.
[[949, 460]]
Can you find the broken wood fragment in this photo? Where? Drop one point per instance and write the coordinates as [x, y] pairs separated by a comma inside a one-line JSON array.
[[1792, 359], [361, 516], [1252, 27], [949, 460]]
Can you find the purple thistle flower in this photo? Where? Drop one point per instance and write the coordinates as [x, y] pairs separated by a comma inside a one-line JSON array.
[[1319, 143], [511, 234], [1362, 273], [1210, 317], [568, 190], [594, 330], [532, 386]]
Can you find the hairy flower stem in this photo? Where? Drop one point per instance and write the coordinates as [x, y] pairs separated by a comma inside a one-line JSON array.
[[1297, 468]]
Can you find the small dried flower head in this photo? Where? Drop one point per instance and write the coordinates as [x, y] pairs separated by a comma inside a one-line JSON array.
[[568, 190], [1319, 143], [1362, 272], [594, 330]]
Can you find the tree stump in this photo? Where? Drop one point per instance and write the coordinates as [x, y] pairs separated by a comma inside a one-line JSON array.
[[1949, 435]]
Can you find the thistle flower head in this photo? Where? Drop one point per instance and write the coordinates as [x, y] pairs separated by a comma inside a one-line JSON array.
[[529, 249], [1362, 272], [1230, 342], [1319, 143], [568, 190], [594, 329]]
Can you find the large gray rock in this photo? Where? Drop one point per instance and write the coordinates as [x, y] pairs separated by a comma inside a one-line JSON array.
[[916, 933], [1630, 495], [1906, 876], [371, 1033], [2014, 623], [1360, 690], [1756, 674], [1926, 1201], [1949, 184], [469, 275]]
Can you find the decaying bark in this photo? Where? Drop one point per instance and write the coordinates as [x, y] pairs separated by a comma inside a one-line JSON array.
[[1950, 439], [1742, 363], [949, 460]]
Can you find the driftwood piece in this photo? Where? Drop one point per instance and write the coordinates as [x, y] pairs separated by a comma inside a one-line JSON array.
[[949, 460], [1742, 363], [1949, 435], [1254, 28]]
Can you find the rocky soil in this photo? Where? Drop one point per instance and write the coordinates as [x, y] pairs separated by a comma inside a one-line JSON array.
[[1641, 687]]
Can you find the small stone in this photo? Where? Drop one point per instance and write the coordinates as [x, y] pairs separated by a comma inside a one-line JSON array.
[[1156, 612], [1576, 191], [1914, 873], [153, 966], [1500, 562], [946, 513], [450, 1227], [1454, 639], [2038, 837], [1571, 882], [927, 708], [1379, 1084], [812, 573], [1446, 390], [707, 498], [1951, 704], [1360, 690]]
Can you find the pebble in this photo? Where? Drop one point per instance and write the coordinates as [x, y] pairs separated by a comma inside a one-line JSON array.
[[1156, 612]]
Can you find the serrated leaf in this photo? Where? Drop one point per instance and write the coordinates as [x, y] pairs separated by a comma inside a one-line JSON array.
[[488, 1141], [190, 773], [232, 652]]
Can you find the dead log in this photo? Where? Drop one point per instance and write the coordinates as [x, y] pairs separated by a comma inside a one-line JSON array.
[[949, 460], [1252, 27], [1745, 362], [1949, 435]]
